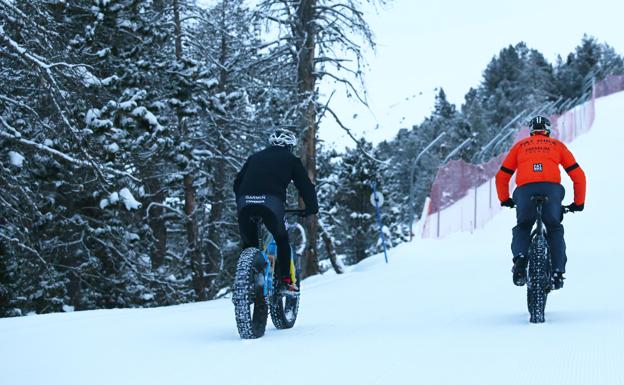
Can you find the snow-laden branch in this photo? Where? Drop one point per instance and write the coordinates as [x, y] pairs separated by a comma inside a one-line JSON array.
[[20, 104], [9, 6], [47, 70], [17, 137], [156, 204], [25, 247]]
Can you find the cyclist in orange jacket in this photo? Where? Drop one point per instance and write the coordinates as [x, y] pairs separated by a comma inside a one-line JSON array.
[[536, 160]]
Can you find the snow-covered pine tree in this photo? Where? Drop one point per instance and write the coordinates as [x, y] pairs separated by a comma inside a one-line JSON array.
[[358, 233], [235, 124]]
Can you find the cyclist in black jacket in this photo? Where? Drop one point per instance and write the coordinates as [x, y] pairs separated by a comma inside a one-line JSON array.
[[260, 189]]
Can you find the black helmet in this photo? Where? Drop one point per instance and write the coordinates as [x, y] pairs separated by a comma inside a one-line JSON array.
[[539, 124]]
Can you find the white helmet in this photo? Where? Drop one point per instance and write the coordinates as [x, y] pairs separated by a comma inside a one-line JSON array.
[[283, 137]]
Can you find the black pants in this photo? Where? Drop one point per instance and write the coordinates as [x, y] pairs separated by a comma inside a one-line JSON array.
[[526, 215], [271, 210]]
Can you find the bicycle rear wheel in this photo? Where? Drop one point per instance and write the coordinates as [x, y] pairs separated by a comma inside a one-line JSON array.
[[538, 285], [250, 305]]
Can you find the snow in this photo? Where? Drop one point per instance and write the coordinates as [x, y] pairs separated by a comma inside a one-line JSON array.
[[114, 197], [92, 119], [128, 199], [209, 83], [104, 203], [112, 148], [88, 78], [16, 159], [442, 312], [109, 80], [147, 296], [144, 113]]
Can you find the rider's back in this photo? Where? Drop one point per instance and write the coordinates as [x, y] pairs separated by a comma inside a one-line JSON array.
[[269, 172], [536, 159]]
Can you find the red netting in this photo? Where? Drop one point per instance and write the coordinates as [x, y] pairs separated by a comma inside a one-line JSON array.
[[455, 179], [610, 85]]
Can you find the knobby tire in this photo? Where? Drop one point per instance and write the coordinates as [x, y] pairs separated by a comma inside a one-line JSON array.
[[539, 282], [248, 293], [285, 308]]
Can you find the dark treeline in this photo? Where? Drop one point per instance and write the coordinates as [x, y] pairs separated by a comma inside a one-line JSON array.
[[123, 123]]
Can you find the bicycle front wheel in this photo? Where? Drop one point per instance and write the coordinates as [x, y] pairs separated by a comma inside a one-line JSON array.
[[284, 308], [250, 305]]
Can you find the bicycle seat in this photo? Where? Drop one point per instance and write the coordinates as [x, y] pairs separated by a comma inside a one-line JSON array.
[[539, 198]]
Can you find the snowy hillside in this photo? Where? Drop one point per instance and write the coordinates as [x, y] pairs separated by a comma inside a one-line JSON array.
[[441, 312]]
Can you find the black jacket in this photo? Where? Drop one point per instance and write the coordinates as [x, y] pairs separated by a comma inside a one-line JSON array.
[[270, 171]]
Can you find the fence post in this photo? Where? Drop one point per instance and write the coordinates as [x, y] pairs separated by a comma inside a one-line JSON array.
[[474, 227]]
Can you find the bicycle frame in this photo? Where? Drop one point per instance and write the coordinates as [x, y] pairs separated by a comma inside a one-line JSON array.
[[269, 251]]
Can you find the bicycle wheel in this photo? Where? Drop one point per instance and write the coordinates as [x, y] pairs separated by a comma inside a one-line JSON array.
[[250, 305], [538, 285], [284, 308]]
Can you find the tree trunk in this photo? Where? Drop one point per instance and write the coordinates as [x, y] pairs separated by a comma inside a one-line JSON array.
[[331, 250], [197, 263], [306, 36], [156, 221], [215, 234], [178, 28]]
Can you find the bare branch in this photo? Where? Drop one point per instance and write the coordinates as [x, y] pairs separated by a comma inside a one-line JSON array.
[[357, 142]]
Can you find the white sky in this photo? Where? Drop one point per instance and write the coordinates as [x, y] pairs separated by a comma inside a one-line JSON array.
[[448, 43]]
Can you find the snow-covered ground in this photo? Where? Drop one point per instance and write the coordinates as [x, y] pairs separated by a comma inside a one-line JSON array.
[[441, 312]]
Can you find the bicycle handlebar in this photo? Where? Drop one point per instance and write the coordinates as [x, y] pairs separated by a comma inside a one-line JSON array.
[[564, 209]]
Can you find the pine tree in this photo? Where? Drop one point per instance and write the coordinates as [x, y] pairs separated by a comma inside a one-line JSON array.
[[353, 208]]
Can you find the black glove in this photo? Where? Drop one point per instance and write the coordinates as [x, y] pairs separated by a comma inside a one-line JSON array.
[[574, 207], [509, 203]]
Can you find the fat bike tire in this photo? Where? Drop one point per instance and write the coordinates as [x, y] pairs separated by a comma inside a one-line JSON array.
[[539, 279], [284, 307], [250, 305]]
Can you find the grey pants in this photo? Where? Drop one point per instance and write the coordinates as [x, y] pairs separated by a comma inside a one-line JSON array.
[[526, 215]]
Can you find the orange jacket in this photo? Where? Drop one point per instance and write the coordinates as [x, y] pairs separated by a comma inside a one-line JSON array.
[[537, 159]]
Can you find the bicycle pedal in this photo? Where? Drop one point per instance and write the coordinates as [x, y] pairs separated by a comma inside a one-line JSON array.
[[290, 293]]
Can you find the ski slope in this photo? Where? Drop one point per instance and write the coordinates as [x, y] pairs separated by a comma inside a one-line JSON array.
[[441, 312]]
